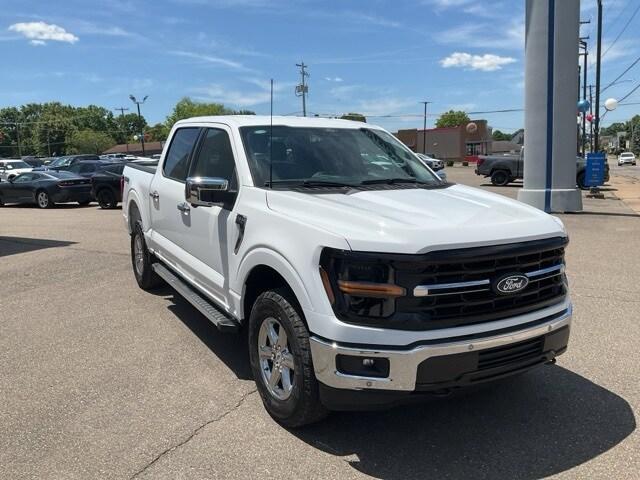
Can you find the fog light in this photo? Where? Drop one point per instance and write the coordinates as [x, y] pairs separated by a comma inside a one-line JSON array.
[[362, 366]]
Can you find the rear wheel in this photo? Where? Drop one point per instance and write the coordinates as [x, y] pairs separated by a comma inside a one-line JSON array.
[[142, 260], [43, 200], [500, 178], [106, 199], [281, 361]]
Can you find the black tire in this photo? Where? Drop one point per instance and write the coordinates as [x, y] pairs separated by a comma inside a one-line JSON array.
[[580, 181], [145, 276], [302, 406], [106, 199], [43, 200], [1, 202], [500, 178]]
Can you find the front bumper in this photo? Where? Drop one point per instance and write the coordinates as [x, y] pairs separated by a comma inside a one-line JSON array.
[[439, 365]]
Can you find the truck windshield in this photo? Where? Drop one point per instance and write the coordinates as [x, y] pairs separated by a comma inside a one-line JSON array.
[[331, 156]]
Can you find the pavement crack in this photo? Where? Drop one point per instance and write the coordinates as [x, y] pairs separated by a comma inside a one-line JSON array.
[[193, 434]]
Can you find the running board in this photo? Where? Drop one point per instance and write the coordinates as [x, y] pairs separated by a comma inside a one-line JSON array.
[[212, 312]]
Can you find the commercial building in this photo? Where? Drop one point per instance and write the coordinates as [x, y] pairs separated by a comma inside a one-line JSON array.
[[450, 143]]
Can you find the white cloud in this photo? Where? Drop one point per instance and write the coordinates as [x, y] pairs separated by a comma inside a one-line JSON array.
[[216, 92], [37, 43], [487, 62], [203, 58], [333, 79], [40, 32], [483, 35]]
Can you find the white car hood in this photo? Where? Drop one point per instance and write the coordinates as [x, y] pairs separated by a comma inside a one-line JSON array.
[[417, 220]]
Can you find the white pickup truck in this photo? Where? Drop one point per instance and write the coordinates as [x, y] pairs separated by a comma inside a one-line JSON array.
[[361, 278]]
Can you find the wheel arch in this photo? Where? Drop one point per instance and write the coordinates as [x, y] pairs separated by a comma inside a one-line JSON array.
[[265, 270]]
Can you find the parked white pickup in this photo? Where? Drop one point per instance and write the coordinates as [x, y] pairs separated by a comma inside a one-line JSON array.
[[360, 276]]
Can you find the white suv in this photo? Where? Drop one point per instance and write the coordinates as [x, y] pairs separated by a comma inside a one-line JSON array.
[[13, 168], [626, 157]]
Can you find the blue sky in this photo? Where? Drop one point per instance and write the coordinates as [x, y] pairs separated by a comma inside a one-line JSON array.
[[370, 56]]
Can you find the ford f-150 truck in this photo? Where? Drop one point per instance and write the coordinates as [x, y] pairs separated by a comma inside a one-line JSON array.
[[360, 278]]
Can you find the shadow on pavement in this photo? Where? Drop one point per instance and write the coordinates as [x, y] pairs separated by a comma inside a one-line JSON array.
[[532, 426], [14, 245], [230, 348]]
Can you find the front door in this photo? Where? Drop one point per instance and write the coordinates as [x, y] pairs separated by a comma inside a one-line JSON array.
[[21, 187], [166, 195], [210, 233]]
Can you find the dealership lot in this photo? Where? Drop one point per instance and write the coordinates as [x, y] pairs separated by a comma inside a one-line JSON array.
[[102, 380]]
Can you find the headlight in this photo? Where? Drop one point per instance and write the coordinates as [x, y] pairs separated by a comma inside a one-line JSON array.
[[359, 285]]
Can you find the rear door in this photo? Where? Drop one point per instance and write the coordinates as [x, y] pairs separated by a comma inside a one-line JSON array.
[[167, 193]]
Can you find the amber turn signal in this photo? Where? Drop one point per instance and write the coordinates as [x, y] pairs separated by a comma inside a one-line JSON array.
[[370, 289], [327, 286]]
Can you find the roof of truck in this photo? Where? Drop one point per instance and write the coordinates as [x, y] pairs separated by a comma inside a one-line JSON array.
[[252, 120]]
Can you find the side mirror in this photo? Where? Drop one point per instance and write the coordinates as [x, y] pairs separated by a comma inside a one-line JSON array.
[[206, 191]]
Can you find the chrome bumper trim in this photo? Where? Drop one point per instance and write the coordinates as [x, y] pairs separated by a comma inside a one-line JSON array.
[[403, 364]]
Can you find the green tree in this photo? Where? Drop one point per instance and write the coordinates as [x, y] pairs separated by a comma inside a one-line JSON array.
[[358, 117], [613, 129], [452, 118], [89, 141], [187, 108], [126, 126], [497, 135], [158, 133]]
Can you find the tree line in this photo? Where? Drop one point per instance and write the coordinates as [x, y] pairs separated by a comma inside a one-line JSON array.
[[631, 130], [53, 129]]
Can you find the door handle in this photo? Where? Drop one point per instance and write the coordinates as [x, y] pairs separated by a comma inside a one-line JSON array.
[[184, 207], [154, 195]]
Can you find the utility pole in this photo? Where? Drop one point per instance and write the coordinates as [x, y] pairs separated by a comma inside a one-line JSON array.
[[583, 44], [126, 134], [303, 88], [18, 139], [598, 62], [424, 129], [592, 118], [138, 103]]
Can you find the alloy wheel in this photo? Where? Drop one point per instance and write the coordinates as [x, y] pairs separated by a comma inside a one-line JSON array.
[[276, 360]]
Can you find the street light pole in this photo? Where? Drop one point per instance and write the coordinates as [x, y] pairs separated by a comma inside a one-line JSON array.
[[596, 139], [584, 95], [424, 129], [138, 103]]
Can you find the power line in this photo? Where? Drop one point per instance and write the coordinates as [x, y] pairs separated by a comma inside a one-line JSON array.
[[622, 31], [622, 74]]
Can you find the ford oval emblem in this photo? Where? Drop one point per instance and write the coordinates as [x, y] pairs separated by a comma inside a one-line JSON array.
[[512, 283]]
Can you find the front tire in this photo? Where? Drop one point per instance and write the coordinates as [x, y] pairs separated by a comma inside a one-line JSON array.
[[43, 200], [142, 260], [500, 178], [281, 362]]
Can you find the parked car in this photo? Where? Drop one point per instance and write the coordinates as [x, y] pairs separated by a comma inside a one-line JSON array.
[[63, 163], [504, 169], [88, 168], [627, 157], [434, 164], [106, 186], [45, 189], [35, 161], [10, 168], [361, 282]]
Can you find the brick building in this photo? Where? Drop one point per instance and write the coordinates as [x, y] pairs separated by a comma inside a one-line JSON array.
[[450, 143]]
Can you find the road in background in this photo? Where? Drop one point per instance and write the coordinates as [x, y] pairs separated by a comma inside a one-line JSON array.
[[102, 380]]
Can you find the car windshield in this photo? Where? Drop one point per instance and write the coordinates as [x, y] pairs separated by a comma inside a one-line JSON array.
[[330, 156], [60, 162], [627, 155]]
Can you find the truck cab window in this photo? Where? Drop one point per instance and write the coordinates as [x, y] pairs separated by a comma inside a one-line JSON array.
[[215, 158], [176, 163]]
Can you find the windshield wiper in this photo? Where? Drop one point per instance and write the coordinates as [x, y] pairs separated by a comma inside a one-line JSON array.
[[388, 181], [310, 183]]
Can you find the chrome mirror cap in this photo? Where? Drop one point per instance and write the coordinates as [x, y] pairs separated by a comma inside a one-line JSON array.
[[205, 191]]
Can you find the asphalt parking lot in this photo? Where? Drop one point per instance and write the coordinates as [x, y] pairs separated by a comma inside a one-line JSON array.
[[102, 380]]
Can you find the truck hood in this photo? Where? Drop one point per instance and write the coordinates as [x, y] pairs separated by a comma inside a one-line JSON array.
[[417, 220]]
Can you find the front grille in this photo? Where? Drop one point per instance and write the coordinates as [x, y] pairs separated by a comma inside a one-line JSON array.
[[460, 284]]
